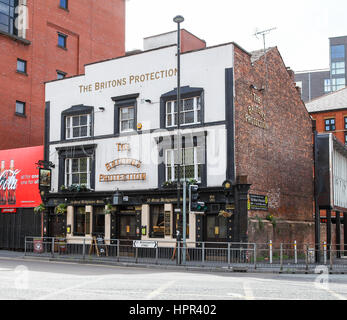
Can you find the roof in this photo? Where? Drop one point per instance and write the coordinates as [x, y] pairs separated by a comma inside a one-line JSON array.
[[332, 101], [256, 55], [312, 71]]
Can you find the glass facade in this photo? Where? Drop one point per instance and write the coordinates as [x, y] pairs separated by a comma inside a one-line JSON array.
[[337, 52], [8, 16]]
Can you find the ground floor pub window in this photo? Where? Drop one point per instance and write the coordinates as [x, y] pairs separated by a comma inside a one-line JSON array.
[[81, 221], [98, 221], [157, 221]]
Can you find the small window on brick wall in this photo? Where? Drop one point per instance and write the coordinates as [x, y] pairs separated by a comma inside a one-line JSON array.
[[63, 4], [329, 124], [21, 66], [62, 40], [20, 108]]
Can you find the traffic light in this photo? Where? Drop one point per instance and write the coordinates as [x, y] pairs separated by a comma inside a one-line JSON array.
[[194, 204]]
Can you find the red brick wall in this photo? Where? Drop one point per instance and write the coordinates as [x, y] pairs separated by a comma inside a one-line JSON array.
[[190, 42], [96, 31], [278, 160], [339, 122]]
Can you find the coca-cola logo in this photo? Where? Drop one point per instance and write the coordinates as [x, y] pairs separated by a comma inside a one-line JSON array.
[[8, 179]]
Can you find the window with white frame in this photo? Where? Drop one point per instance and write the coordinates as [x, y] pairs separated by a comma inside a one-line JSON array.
[[127, 118], [77, 171], [191, 163], [78, 126], [190, 112]]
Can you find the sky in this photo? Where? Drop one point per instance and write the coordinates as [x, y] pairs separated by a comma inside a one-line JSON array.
[[303, 27]]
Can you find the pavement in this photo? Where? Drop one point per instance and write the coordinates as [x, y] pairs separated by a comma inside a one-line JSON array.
[[236, 268], [38, 279]]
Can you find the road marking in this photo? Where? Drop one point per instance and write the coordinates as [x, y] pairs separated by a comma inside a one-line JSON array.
[[54, 293], [248, 291], [158, 291]]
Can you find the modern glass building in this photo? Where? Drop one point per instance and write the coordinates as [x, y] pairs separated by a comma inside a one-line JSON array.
[[316, 83]]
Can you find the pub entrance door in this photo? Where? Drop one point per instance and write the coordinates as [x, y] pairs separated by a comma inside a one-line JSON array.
[[216, 228], [57, 225], [127, 224]]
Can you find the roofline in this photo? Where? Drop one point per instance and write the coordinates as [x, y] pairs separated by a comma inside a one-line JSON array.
[[75, 76], [162, 34], [125, 56], [216, 46], [337, 37], [154, 49], [326, 111], [327, 94], [310, 71]]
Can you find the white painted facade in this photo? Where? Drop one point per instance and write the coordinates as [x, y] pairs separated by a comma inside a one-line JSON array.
[[150, 75], [205, 69]]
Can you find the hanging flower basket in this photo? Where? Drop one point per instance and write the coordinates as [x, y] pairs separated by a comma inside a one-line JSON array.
[[61, 208], [39, 208], [74, 188], [109, 209]]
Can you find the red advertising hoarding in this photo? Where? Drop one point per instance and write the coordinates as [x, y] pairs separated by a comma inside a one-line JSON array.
[[19, 177]]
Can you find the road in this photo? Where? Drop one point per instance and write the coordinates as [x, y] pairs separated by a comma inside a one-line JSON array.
[[42, 280]]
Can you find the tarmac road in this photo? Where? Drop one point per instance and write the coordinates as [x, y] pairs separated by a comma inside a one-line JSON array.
[[43, 280]]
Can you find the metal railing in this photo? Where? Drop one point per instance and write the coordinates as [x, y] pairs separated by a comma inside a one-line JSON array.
[[282, 257]]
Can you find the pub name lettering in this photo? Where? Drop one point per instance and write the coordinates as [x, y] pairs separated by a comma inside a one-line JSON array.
[[132, 79]]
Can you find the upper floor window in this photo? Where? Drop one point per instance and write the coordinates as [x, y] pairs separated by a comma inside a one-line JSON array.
[[334, 84], [8, 16], [346, 138], [345, 122], [78, 126], [329, 124], [20, 108], [338, 52], [127, 119], [191, 107], [190, 112], [63, 4], [77, 122], [62, 40], [77, 171], [125, 113], [190, 165], [21, 66], [338, 67]]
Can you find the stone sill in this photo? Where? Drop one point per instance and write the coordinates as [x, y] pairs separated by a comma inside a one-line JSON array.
[[15, 38]]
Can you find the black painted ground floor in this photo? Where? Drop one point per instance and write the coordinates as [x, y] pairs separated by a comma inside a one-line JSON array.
[[147, 215]]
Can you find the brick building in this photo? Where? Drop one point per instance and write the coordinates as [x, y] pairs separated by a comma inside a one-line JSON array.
[[330, 113], [243, 122], [44, 40]]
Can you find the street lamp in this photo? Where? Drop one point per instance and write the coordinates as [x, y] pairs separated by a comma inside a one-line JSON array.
[[179, 19]]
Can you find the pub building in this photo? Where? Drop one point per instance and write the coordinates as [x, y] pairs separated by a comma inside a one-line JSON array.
[[111, 135]]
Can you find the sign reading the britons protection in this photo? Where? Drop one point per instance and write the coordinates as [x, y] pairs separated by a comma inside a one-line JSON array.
[[19, 177]]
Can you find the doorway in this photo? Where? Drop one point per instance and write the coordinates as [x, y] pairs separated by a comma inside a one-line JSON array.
[[216, 228]]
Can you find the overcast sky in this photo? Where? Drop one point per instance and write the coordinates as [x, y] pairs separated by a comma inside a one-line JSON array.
[[302, 26]]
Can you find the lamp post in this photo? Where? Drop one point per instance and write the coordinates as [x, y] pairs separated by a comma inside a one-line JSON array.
[[179, 19]]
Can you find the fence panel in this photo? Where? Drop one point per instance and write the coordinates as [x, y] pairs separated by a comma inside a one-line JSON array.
[[284, 257]]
